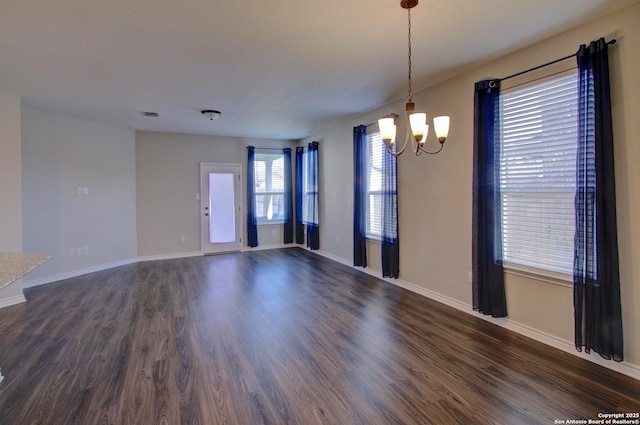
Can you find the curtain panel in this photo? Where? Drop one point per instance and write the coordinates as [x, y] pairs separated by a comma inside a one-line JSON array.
[[252, 222], [597, 306], [360, 196], [390, 246], [488, 275], [288, 198], [313, 229], [299, 225]]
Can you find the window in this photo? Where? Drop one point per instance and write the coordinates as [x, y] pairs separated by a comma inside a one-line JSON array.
[[538, 173], [374, 152], [306, 212], [269, 187], [309, 189]]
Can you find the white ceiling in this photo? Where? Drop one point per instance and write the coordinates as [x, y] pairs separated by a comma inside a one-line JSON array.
[[275, 68]]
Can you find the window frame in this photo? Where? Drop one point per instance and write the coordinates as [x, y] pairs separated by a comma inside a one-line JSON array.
[[262, 220]]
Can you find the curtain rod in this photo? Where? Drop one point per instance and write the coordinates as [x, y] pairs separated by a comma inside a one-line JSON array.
[[610, 42], [268, 149], [535, 68]]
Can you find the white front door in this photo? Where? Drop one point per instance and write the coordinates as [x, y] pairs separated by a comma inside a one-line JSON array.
[[221, 207]]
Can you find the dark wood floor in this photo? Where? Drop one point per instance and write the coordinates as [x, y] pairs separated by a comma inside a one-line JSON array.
[[277, 337]]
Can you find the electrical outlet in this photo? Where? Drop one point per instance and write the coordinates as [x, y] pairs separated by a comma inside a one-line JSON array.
[[85, 250], [79, 251], [85, 190], [79, 191], [70, 253], [182, 238]]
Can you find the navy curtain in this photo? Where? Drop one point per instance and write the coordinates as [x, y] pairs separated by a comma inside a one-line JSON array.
[[288, 198], [252, 223], [488, 275], [390, 246], [596, 280], [360, 196], [313, 229], [299, 227]]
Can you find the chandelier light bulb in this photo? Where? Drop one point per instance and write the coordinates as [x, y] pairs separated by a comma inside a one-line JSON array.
[[419, 127], [387, 129], [441, 127]]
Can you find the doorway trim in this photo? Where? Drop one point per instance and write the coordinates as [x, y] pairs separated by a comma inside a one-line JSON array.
[[204, 196]]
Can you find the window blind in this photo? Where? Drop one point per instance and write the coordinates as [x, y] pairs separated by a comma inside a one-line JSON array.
[[310, 190], [538, 173], [269, 186], [375, 150]]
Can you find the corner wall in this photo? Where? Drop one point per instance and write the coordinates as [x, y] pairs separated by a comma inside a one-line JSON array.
[[61, 154], [10, 189]]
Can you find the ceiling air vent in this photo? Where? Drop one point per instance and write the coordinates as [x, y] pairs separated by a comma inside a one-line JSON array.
[[150, 114]]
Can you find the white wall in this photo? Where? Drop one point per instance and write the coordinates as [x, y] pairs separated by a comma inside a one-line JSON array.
[[168, 178], [60, 154], [435, 191], [10, 192]]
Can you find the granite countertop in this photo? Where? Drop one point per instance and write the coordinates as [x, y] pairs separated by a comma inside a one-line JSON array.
[[15, 265]]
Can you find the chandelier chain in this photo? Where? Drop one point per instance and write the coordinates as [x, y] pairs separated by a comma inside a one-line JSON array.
[[410, 89]]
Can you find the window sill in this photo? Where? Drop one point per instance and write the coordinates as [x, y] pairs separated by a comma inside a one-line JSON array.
[[556, 278], [270, 223]]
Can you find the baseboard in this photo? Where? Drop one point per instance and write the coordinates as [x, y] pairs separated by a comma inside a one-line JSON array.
[[271, 246], [54, 278], [169, 256], [625, 368], [6, 302], [75, 273]]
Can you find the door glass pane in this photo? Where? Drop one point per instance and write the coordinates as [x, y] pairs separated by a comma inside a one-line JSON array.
[[222, 218]]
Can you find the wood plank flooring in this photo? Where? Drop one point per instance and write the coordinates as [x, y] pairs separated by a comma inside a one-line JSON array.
[[277, 337]]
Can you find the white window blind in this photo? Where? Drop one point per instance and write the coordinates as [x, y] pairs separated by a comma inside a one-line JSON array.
[[269, 187], [309, 192], [375, 150], [537, 173]]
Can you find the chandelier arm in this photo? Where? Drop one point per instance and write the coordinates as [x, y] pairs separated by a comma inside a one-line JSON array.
[[417, 151], [432, 152], [392, 153], [397, 153]]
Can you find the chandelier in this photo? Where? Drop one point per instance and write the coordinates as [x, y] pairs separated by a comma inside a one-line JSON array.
[[416, 122]]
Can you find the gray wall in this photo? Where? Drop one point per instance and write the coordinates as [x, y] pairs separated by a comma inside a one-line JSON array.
[[10, 188]]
